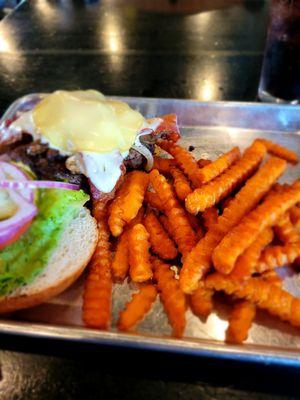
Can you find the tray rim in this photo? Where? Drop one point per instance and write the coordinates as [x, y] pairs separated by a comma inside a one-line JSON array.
[[188, 346], [192, 347]]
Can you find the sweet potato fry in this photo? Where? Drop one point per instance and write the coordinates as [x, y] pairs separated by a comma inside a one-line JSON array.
[[240, 320], [139, 257], [247, 262], [181, 184], [202, 162], [153, 200], [196, 225], [216, 190], [225, 203], [218, 166], [272, 277], [163, 189], [263, 294], [166, 224], [164, 165], [161, 243], [201, 302], [136, 309], [136, 188], [210, 217], [295, 216], [173, 299], [198, 261], [242, 235], [120, 263], [280, 151], [285, 231], [278, 256], [128, 201], [138, 219], [183, 233], [184, 160], [96, 309]]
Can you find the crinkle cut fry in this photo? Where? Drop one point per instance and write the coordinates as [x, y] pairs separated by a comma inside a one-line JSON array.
[[210, 217], [163, 189], [264, 295], [240, 321], [198, 262], [202, 162], [166, 224], [161, 243], [196, 225], [96, 309], [243, 312], [285, 231], [139, 257], [183, 233], [164, 165], [172, 297], [219, 188], [153, 200], [128, 201], [115, 219], [184, 160], [295, 216], [181, 184], [280, 151], [201, 302], [225, 203], [218, 166], [272, 277], [246, 264], [120, 263], [278, 256], [137, 308], [242, 235]]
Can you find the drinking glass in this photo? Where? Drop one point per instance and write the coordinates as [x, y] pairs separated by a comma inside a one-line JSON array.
[[280, 76]]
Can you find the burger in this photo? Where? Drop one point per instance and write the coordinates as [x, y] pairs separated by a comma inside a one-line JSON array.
[[56, 153]]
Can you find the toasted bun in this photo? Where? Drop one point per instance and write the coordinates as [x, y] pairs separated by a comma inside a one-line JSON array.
[[70, 258]]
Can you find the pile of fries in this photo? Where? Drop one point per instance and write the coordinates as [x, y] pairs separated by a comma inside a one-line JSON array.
[[225, 224]]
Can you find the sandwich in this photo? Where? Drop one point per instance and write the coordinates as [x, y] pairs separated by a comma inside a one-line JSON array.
[[66, 149]]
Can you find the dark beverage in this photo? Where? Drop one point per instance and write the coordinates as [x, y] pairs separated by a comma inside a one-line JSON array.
[[280, 79]]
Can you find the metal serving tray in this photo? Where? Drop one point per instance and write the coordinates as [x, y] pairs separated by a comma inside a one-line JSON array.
[[211, 128]]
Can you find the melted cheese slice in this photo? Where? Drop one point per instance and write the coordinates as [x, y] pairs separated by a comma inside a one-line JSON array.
[[86, 121], [84, 124]]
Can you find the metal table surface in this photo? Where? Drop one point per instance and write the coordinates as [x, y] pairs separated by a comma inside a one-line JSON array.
[[208, 50]]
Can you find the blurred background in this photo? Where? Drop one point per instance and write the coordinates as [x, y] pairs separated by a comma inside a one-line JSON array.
[[206, 50]]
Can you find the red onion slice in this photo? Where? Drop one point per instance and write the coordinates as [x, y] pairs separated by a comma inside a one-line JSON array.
[[18, 175], [17, 185], [26, 212], [13, 227]]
